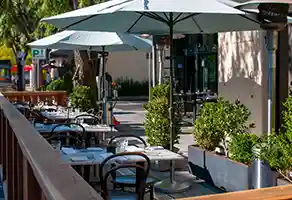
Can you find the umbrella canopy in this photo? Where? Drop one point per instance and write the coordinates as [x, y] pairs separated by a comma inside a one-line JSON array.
[[95, 41], [253, 4], [152, 16]]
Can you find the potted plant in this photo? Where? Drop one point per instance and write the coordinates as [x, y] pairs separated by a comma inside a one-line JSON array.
[[80, 98], [157, 123], [218, 123], [276, 151], [285, 140]]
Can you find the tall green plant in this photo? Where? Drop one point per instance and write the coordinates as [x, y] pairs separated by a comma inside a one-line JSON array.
[[161, 90], [157, 123], [59, 85], [287, 115], [81, 98], [218, 121], [241, 147]]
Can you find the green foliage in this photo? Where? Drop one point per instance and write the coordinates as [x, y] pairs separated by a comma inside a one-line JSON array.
[[241, 147], [81, 98], [55, 85], [157, 123], [217, 121], [160, 91], [20, 20], [60, 85], [130, 87], [287, 116], [7, 54], [277, 151]]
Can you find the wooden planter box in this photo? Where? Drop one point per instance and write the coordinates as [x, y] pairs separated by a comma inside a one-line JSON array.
[[219, 171]]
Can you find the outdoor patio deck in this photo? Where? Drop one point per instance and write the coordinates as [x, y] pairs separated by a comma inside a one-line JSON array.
[[29, 175]]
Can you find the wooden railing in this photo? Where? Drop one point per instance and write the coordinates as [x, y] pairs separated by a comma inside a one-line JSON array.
[[59, 97], [31, 169], [273, 193]]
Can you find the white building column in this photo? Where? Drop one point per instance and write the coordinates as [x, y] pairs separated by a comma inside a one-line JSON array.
[[242, 73]]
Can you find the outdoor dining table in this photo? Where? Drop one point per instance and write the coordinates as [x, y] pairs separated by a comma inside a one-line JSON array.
[[98, 128], [97, 131], [62, 115], [95, 156]]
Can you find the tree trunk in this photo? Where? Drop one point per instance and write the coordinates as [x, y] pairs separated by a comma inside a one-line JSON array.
[[85, 69], [86, 73]]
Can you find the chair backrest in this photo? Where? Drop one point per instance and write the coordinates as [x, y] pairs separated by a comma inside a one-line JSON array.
[[140, 192], [78, 134], [58, 137], [40, 118], [128, 136], [88, 119], [143, 166], [97, 113]]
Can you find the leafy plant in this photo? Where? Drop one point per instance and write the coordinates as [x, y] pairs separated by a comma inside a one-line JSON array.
[[218, 121], [287, 116], [241, 147], [157, 123], [277, 151], [161, 90], [56, 85], [158, 91], [81, 98], [130, 87]]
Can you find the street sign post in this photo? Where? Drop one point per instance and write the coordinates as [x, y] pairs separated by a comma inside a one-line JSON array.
[[39, 54]]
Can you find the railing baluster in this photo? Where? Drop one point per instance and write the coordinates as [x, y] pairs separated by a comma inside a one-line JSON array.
[[10, 164], [1, 138], [31, 169], [31, 188], [19, 162], [5, 157]]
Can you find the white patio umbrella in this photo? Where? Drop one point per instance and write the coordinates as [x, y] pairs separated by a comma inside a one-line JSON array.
[[158, 17], [94, 41]]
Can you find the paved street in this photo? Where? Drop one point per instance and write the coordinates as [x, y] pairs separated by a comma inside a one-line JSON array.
[[131, 115]]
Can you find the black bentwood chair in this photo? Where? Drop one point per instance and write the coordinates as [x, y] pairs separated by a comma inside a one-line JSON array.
[[129, 180], [141, 169]]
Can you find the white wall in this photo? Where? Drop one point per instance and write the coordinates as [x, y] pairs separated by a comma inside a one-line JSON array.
[[242, 73], [133, 65]]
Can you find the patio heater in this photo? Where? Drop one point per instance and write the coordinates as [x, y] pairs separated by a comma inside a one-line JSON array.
[[272, 15]]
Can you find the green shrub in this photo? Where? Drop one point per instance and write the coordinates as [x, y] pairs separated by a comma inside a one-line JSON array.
[[60, 85], [218, 121], [130, 87], [55, 85], [160, 91], [277, 151], [81, 98], [157, 123], [241, 147], [288, 118]]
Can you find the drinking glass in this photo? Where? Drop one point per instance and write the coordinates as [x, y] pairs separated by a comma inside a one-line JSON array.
[[56, 144]]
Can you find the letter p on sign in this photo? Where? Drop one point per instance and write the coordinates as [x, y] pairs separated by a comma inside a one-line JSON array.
[[38, 54]]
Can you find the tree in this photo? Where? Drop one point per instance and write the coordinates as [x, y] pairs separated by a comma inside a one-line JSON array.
[[85, 64], [20, 24], [7, 54]]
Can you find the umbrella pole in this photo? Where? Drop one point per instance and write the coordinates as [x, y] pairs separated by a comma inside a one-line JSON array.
[[103, 86], [170, 185], [272, 44]]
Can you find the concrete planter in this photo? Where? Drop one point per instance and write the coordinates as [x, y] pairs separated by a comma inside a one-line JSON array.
[[219, 171]]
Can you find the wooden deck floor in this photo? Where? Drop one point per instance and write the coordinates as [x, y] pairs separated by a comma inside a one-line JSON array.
[[198, 187]]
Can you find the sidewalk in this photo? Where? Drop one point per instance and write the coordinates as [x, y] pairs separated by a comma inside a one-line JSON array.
[[131, 119]]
